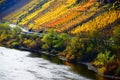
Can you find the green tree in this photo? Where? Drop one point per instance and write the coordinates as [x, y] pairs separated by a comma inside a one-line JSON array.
[[104, 58], [4, 28], [117, 36], [49, 39], [53, 40], [16, 31], [62, 41], [116, 44]]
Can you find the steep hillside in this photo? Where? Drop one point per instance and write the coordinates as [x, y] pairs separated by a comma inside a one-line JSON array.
[[74, 30], [4, 4], [1, 1], [9, 6], [72, 16]]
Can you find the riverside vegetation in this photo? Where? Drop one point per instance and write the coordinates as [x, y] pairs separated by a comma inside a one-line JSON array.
[[77, 30], [95, 47]]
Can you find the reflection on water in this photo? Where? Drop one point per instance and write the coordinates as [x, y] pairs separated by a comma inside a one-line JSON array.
[[80, 69], [22, 65], [18, 65]]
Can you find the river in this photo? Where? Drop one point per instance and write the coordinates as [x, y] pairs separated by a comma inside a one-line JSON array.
[[23, 65], [19, 65]]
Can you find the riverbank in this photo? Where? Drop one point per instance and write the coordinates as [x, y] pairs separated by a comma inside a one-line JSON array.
[[89, 65], [63, 46], [20, 65]]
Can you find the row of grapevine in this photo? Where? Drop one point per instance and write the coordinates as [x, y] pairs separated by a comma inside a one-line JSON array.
[[13, 17], [52, 14], [64, 15], [35, 13], [99, 22]]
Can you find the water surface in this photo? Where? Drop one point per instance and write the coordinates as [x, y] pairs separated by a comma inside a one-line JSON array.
[[18, 65]]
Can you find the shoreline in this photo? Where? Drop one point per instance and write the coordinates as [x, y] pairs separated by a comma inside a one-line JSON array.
[[39, 50], [88, 64]]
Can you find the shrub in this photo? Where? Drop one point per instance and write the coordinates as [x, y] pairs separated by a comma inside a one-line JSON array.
[[104, 58]]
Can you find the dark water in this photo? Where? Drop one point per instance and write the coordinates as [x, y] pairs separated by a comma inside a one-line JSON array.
[[79, 69], [22, 65]]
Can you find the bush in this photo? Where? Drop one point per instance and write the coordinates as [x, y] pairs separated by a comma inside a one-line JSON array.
[[104, 58], [15, 44], [53, 40]]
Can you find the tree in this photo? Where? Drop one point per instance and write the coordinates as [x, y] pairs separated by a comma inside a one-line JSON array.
[[4, 28], [62, 42], [116, 39], [117, 36], [49, 39], [15, 31], [53, 40]]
